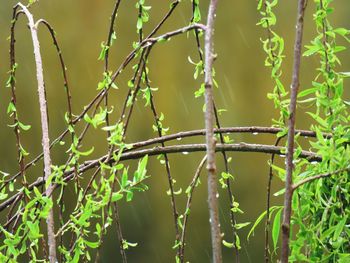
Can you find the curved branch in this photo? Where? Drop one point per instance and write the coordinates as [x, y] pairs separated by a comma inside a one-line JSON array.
[[318, 176], [45, 130], [187, 148]]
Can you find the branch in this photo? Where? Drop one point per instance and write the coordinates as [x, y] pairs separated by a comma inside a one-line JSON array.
[[318, 176], [45, 130], [187, 212], [210, 140], [291, 133], [253, 129], [136, 154]]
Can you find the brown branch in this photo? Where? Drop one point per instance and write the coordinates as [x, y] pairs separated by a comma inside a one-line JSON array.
[[295, 186], [192, 186], [136, 154], [268, 204], [184, 134], [287, 212], [210, 140], [167, 165], [45, 129]]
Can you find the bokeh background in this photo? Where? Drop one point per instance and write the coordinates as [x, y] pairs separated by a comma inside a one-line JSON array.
[[81, 26]]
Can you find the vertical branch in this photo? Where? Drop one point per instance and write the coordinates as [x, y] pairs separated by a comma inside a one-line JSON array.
[[191, 188], [287, 212], [228, 183], [45, 130], [12, 84], [210, 140], [106, 68], [167, 166]]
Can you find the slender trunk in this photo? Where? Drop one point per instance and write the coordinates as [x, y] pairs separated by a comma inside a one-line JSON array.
[[287, 212]]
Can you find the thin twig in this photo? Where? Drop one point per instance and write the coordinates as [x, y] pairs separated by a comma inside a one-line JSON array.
[[192, 186], [268, 204], [318, 176], [167, 165]]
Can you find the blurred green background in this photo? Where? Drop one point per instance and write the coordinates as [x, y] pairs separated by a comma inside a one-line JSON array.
[[81, 26]]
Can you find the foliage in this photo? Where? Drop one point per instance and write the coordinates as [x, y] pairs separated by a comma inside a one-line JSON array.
[[320, 201]]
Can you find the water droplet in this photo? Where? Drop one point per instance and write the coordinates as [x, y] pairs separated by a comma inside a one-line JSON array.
[[217, 195], [255, 133], [282, 155], [185, 153], [179, 139], [314, 162]]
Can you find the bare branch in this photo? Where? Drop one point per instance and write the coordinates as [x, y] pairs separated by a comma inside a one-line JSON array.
[[291, 133], [210, 140], [45, 130]]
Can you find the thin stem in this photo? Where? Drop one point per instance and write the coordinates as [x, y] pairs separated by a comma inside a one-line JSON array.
[[192, 186], [167, 165], [287, 212], [316, 177], [268, 204]]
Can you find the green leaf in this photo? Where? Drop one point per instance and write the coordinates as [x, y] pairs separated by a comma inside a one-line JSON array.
[[91, 244], [241, 225], [258, 220], [339, 228], [139, 23], [23, 126], [116, 197], [227, 244], [276, 228]]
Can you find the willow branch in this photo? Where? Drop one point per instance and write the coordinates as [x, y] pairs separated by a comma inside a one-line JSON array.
[[186, 148], [45, 130], [287, 212], [192, 186], [318, 176], [210, 140]]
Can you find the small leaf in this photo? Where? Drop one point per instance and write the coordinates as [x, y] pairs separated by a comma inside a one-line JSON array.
[[227, 244], [276, 228], [116, 197]]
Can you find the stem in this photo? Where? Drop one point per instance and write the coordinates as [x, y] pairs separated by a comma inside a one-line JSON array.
[[45, 131], [210, 141], [192, 186], [287, 212], [268, 204], [318, 176], [238, 147]]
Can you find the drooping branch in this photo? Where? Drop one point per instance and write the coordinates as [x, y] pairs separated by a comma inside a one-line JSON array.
[[287, 212], [45, 129]]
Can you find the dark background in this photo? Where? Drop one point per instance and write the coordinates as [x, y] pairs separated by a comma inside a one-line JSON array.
[[81, 26]]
